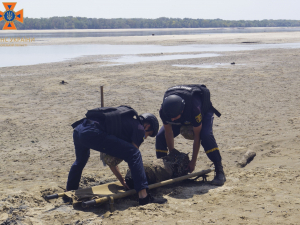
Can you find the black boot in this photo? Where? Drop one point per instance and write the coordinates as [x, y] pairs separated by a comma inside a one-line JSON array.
[[150, 199], [220, 178]]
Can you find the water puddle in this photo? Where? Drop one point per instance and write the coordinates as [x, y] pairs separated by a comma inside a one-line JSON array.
[[138, 59], [118, 64], [208, 66], [31, 55]]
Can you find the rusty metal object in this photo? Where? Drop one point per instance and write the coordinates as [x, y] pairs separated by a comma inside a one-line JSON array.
[[187, 132], [110, 160], [173, 165]]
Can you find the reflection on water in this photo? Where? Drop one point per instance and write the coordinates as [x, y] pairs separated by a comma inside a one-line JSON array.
[[141, 32], [30, 55]]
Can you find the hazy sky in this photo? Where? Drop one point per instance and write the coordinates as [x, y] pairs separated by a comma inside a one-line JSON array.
[[202, 9]]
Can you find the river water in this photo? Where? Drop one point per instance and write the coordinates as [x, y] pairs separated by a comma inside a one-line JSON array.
[[123, 54]]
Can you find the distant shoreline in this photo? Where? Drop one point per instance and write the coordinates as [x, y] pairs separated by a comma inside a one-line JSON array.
[[147, 29], [70, 22]]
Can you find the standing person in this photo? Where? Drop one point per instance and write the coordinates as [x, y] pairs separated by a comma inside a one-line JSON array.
[[190, 105], [117, 132]]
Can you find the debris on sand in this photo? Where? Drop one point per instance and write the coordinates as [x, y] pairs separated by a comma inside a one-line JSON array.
[[247, 158], [63, 82]]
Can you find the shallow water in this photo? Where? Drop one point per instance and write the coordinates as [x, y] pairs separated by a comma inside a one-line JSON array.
[[137, 59], [31, 55], [208, 66]]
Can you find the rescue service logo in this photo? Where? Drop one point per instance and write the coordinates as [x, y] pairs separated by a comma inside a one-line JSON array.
[[10, 16], [198, 118]]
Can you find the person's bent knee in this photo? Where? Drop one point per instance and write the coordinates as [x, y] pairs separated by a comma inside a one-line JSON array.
[[80, 165], [133, 156]]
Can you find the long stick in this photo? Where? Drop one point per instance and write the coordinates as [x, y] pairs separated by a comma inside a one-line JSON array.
[[156, 185], [102, 96]]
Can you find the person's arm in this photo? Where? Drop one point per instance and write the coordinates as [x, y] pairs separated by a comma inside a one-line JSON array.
[[135, 145], [169, 136], [196, 147], [116, 171]]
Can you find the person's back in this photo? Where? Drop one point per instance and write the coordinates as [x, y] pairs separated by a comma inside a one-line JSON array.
[[107, 130], [190, 105]]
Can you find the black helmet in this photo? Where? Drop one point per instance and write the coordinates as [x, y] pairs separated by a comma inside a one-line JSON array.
[[150, 118], [172, 106]]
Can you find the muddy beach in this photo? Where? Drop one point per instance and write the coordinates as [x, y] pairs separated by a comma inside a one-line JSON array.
[[258, 96]]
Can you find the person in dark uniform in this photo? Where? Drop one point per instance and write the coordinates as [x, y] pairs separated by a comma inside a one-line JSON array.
[[190, 105], [117, 132]]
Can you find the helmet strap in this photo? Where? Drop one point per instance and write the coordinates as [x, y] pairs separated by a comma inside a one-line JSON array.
[[150, 127]]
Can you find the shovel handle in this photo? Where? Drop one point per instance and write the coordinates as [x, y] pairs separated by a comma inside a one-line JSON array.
[[48, 197], [88, 203]]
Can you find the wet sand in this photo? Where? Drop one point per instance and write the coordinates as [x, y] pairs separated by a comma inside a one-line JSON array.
[[205, 38], [258, 98]]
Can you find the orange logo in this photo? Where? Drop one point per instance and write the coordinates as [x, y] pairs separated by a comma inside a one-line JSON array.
[[10, 16]]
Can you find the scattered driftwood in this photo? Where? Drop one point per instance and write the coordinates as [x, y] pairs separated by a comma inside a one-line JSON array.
[[247, 158]]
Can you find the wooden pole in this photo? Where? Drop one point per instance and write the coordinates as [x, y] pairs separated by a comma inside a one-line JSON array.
[[102, 97], [132, 191]]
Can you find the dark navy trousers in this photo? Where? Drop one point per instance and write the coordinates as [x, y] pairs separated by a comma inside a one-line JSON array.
[[206, 135], [88, 136]]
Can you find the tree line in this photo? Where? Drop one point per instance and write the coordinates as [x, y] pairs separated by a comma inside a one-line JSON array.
[[162, 22]]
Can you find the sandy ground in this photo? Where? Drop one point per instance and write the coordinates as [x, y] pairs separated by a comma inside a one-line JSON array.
[[258, 98], [205, 38]]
